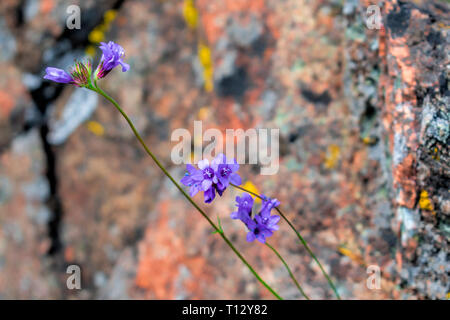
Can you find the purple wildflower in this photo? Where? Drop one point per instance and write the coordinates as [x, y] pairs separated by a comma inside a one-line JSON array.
[[263, 225], [211, 178], [257, 231], [268, 204], [111, 58], [192, 179], [269, 223], [245, 205], [209, 174], [80, 74], [202, 179], [225, 170], [57, 75]]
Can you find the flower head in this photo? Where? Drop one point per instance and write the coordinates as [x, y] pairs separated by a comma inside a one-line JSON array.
[[245, 205], [257, 231], [226, 171], [57, 75], [81, 74], [211, 178], [268, 204], [263, 225], [202, 179], [192, 178], [112, 55]]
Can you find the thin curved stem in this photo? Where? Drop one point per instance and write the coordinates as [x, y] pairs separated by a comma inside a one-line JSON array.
[[304, 243], [299, 287], [227, 241]]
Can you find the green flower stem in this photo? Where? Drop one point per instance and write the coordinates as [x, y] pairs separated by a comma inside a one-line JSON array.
[[289, 270], [138, 136], [305, 244]]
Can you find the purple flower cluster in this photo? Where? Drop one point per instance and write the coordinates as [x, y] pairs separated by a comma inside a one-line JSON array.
[[211, 178], [263, 225], [80, 74]]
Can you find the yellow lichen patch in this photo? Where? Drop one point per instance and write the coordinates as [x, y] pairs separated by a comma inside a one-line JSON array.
[[368, 140], [436, 154], [90, 50], [424, 202], [252, 188], [332, 156], [204, 56], [96, 128], [190, 14], [353, 256], [203, 113], [97, 35], [110, 15]]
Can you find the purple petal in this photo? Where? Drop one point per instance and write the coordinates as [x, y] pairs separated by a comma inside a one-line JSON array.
[[57, 75], [223, 182], [209, 195], [250, 236], [186, 180], [206, 184], [235, 179], [266, 233], [274, 219], [203, 164], [190, 168], [216, 161], [197, 175], [194, 190], [125, 66], [260, 237]]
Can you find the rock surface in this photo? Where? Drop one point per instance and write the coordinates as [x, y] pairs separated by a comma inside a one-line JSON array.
[[364, 147]]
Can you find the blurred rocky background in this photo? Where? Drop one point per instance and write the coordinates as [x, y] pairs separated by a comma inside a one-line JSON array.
[[363, 115]]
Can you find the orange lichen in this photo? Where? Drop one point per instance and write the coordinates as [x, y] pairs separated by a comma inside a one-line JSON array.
[[6, 104], [161, 254]]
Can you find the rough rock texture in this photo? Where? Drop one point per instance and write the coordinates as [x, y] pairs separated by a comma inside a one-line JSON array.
[[364, 147]]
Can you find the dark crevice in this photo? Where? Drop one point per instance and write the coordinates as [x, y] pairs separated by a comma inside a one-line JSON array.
[[20, 13], [53, 202]]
